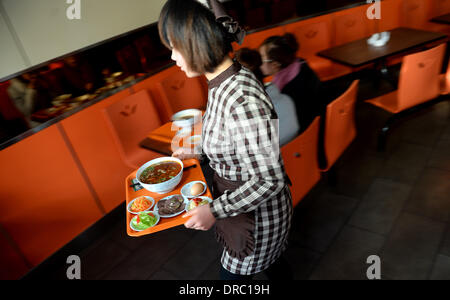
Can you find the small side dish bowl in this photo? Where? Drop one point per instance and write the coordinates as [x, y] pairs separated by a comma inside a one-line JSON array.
[[196, 202], [186, 189], [161, 187], [130, 205], [145, 223]]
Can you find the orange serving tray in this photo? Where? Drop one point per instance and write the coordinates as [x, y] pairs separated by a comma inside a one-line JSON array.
[[192, 174]]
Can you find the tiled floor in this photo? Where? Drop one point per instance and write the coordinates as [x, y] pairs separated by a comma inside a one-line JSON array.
[[394, 204]]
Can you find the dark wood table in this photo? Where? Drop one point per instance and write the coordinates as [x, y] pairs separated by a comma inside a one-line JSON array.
[[156, 146], [444, 19], [359, 53], [160, 140]]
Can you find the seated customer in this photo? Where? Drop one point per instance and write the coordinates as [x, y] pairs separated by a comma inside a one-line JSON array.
[[292, 76], [289, 126]]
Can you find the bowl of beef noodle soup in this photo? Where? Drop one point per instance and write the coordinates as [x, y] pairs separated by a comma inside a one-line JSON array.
[[160, 175]]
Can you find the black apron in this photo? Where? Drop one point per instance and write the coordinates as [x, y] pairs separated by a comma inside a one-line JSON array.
[[236, 234]]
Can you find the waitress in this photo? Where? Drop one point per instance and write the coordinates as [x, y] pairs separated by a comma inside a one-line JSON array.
[[252, 206]]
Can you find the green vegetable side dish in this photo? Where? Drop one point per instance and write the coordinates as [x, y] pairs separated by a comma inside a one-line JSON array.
[[143, 221]]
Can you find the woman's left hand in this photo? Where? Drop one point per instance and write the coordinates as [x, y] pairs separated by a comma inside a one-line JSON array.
[[201, 218]]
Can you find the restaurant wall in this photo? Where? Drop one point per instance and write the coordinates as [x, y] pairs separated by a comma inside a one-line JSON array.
[[10, 59], [44, 31]]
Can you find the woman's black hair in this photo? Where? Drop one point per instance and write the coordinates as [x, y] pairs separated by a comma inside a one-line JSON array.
[[191, 28]]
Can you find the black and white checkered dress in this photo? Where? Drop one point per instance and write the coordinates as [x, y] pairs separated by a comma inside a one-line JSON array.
[[240, 138]]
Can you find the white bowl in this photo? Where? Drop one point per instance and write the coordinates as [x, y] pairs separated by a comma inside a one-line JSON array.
[[163, 187], [186, 189], [152, 201], [194, 114], [379, 39], [158, 218]]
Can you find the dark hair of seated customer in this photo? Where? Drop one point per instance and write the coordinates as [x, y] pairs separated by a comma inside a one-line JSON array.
[[251, 59], [282, 49]]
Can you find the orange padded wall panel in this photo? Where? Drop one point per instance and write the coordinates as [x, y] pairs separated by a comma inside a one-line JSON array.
[[45, 200], [98, 152], [314, 35], [163, 102], [178, 92], [13, 265], [254, 40], [130, 120], [390, 15], [415, 13], [352, 24], [440, 7]]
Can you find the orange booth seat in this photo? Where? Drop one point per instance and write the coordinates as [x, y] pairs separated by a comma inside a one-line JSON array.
[[301, 161]]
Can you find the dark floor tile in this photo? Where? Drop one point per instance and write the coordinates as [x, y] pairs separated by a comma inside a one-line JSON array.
[[351, 185], [346, 259], [410, 249], [119, 234], [195, 256], [302, 261], [441, 269], [212, 271], [150, 256], [99, 260], [406, 163], [381, 206], [425, 127], [162, 274], [440, 157], [445, 245], [361, 165], [446, 132], [431, 194], [316, 226]]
